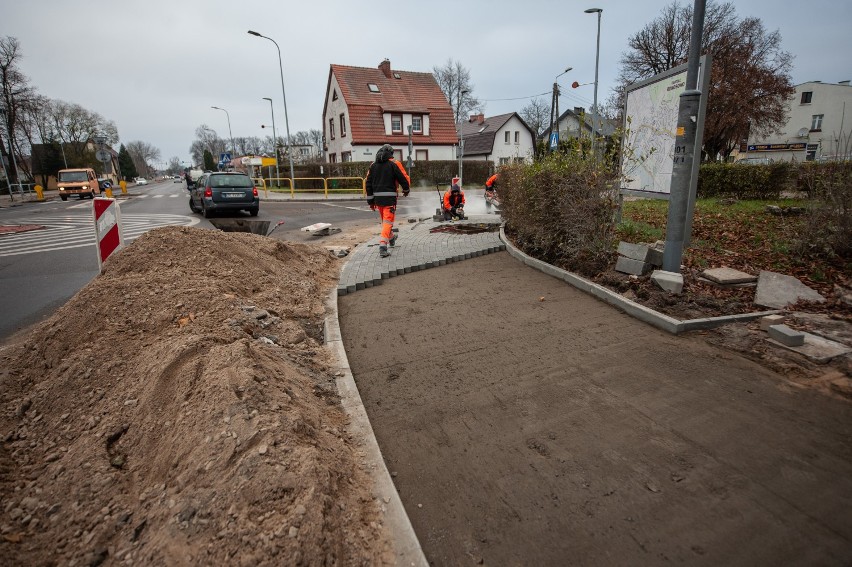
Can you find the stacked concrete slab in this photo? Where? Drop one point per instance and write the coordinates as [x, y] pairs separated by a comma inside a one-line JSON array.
[[638, 259]]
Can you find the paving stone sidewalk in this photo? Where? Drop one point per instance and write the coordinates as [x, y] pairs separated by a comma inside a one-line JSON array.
[[417, 248]]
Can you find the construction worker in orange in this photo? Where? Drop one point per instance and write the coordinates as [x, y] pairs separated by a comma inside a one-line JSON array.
[[383, 180], [454, 203], [491, 185]]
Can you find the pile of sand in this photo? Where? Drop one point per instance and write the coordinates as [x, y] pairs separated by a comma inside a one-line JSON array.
[[180, 409]]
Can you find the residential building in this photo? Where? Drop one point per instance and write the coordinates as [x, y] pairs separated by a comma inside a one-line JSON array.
[[816, 127], [366, 108], [503, 139], [571, 124]]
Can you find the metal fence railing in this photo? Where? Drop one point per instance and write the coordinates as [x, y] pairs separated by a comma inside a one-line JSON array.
[[324, 185]]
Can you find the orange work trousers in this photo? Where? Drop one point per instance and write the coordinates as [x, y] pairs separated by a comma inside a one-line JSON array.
[[387, 215]]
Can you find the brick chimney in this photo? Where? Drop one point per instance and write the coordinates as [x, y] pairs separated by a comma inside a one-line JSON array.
[[385, 67], [477, 118], [579, 110]]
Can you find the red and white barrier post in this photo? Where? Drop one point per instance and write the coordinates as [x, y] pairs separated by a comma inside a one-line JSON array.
[[107, 228]]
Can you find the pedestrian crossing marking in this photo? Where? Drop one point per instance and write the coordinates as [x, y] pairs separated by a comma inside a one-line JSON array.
[[64, 232]]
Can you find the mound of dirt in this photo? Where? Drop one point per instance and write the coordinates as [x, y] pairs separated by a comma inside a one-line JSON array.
[[180, 409]]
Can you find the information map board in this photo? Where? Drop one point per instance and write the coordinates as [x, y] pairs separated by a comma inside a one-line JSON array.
[[650, 124]]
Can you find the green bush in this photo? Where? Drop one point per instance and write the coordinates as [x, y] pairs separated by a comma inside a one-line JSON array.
[[828, 228], [561, 210], [744, 181]]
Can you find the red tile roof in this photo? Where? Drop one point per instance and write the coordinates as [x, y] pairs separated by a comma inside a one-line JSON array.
[[412, 92]]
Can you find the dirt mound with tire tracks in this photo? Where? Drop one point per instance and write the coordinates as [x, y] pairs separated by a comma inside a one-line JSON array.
[[180, 409]]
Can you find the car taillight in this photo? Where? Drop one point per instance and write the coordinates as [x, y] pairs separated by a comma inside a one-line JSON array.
[[208, 192], [254, 191]]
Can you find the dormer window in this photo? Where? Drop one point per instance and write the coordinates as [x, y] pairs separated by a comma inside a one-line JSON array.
[[396, 76], [374, 88]]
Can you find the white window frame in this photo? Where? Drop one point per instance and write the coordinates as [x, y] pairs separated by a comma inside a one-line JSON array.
[[331, 127], [816, 122], [507, 137], [415, 118], [395, 131], [342, 125]]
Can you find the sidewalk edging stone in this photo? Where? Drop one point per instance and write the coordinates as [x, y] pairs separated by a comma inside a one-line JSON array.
[[653, 318]]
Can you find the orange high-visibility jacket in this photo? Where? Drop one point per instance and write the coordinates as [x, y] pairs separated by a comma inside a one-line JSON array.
[[492, 182], [452, 200]]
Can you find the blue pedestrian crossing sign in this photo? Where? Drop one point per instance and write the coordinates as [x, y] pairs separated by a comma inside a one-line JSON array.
[[224, 157], [554, 140]]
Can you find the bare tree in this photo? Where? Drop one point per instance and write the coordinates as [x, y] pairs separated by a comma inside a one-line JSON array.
[[143, 155], [205, 139], [174, 166], [750, 72], [537, 115], [15, 95], [454, 78]]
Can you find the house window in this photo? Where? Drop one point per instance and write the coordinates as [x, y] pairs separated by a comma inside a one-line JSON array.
[[816, 123], [342, 125], [331, 127], [517, 138], [506, 136], [397, 155], [504, 161], [810, 152], [334, 95], [374, 88], [332, 158], [806, 97], [346, 156], [421, 155], [396, 124], [417, 124]]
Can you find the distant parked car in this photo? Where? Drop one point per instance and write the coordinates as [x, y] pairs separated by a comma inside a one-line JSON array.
[[140, 181], [177, 179], [224, 191]]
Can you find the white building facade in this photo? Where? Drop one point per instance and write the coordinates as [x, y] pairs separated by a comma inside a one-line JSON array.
[[818, 127]]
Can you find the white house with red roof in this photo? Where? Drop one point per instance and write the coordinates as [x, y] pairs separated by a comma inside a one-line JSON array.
[[366, 108]]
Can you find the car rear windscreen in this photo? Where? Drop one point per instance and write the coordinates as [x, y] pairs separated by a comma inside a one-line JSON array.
[[231, 181]]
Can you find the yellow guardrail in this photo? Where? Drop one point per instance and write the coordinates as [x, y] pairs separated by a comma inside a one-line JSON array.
[[292, 188]]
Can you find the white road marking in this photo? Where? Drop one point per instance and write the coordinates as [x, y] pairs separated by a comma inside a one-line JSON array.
[[62, 233]]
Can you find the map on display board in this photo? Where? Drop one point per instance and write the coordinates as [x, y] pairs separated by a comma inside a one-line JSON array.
[[650, 111]]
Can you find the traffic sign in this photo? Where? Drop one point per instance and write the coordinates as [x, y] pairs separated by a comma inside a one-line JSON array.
[[554, 140], [224, 157], [103, 155]]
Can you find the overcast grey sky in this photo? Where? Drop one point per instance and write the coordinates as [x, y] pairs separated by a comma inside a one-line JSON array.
[[156, 67]]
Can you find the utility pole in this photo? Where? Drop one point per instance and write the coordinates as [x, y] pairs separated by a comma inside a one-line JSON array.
[[684, 150]]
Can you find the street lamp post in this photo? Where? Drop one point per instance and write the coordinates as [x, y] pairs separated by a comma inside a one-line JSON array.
[[284, 97], [274, 140], [233, 147], [554, 106], [461, 135], [596, 122]]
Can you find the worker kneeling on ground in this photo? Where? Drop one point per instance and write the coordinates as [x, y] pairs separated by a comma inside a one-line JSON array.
[[383, 180], [454, 204], [491, 186]]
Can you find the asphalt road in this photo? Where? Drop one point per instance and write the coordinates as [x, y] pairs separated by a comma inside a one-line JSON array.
[[41, 269]]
